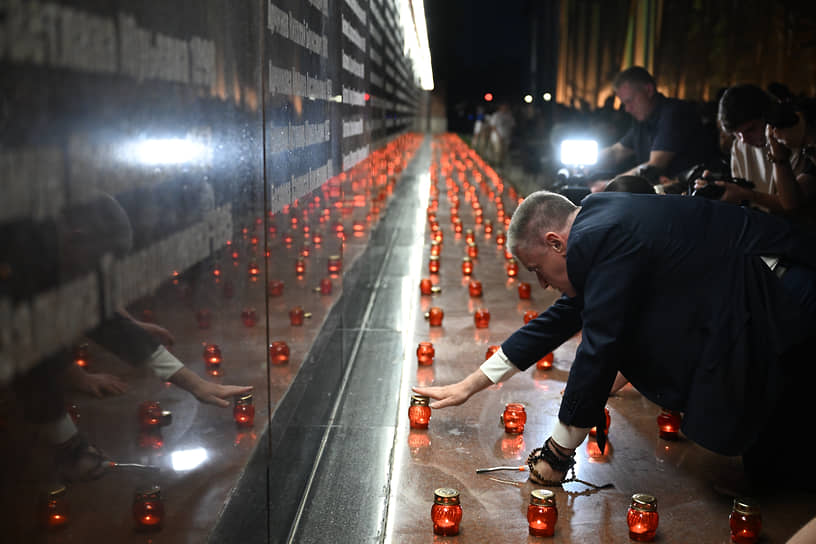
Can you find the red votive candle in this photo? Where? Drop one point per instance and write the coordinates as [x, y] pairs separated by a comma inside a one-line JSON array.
[[81, 355], [279, 352], [446, 512], [514, 418], [668, 424], [249, 317], [243, 412], [148, 508], [152, 417], [745, 521], [419, 413], [275, 288], [491, 350], [481, 318], [512, 268], [469, 236], [475, 288], [335, 264], [435, 316], [296, 316], [642, 517], [594, 430], [433, 264], [425, 353], [467, 266], [425, 286], [204, 318], [500, 238], [56, 513], [472, 250], [524, 290], [542, 512], [325, 286], [212, 359], [529, 315], [546, 362]]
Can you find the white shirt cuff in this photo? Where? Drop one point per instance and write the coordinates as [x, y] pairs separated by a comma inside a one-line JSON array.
[[163, 363], [59, 431], [568, 436], [498, 367]]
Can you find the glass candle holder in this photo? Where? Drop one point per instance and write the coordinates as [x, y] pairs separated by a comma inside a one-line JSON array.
[[300, 266], [488, 226], [335, 264], [514, 418], [467, 266], [475, 288], [279, 352], [745, 521], [668, 424], [249, 317], [243, 412], [275, 288], [446, 512], [425, 353], [546, 362], [642, 517], [229, 289], [491, 350], [529, 315], [297, 315], [212, 359], [325, 286], [419, 413], [148, 508], [512, 268], [481, 318], [253, 270], [433, 224], [470, 237], [594, 430], [55, 511], [457, 226], [81, 355], [204, 318], [437, 236], [433, 264], [472, 250], [152, 417], [524, 290], [425, 286], [434, 316], [501, 238], [436, 248], [542, 512]]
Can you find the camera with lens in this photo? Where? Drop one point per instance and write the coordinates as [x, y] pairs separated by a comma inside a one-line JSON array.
[[715, 192]]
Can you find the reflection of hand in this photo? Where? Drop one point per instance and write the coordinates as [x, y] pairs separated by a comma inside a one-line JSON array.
[[96, 384], [217, 394]]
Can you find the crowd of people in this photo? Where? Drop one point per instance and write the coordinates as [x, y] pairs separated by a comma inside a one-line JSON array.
[[707, 306]]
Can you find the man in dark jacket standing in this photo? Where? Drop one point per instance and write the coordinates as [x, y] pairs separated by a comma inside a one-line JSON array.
[[701, 306]]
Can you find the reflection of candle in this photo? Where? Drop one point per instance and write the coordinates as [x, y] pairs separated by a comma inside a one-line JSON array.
[[419, 413], [642, 517], [594, 430], [212, 359], [514, 418], [481, 318], [244, 411], [81, 355], [148, 508], [204, 318], [512, 446], [745, 521], [446, 512], [56, 508], [253, 270], [151, 416], [249, 317], [542, 512], [425, 353]]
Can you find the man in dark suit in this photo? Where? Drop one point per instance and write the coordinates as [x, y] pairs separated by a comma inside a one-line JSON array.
[[702, 306]]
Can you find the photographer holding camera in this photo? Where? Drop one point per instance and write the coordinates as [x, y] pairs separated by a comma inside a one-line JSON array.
[[783, 180]]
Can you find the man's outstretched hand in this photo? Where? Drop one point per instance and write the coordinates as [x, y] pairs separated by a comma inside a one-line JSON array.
[[455, 393]]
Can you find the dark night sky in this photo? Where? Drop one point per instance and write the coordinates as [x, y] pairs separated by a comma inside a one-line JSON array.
[[479, 46]]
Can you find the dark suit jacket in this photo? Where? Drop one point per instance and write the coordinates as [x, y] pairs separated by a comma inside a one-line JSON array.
[[672, 292]]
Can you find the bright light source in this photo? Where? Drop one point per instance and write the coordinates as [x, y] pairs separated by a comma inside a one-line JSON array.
[[156, 151], [547, 97], [528, 98], [183, 460], [579, 152], [488, 97]]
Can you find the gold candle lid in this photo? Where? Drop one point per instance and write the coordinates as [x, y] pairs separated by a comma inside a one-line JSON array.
[[466, 259], [56, 491], [746, 506], [436, 289], [542, 497], [420, 400], [434, 257], [645, 502], [246, 398], [153, 492], [166, 418], [446, 496]]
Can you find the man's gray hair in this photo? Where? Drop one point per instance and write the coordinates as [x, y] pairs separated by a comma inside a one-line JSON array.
[[540, 212]]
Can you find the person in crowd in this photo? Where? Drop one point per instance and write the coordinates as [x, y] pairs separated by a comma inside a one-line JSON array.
[[746, 111], [666, 135], [678, 295], [630, 184], [502, 124], [795, 192]]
